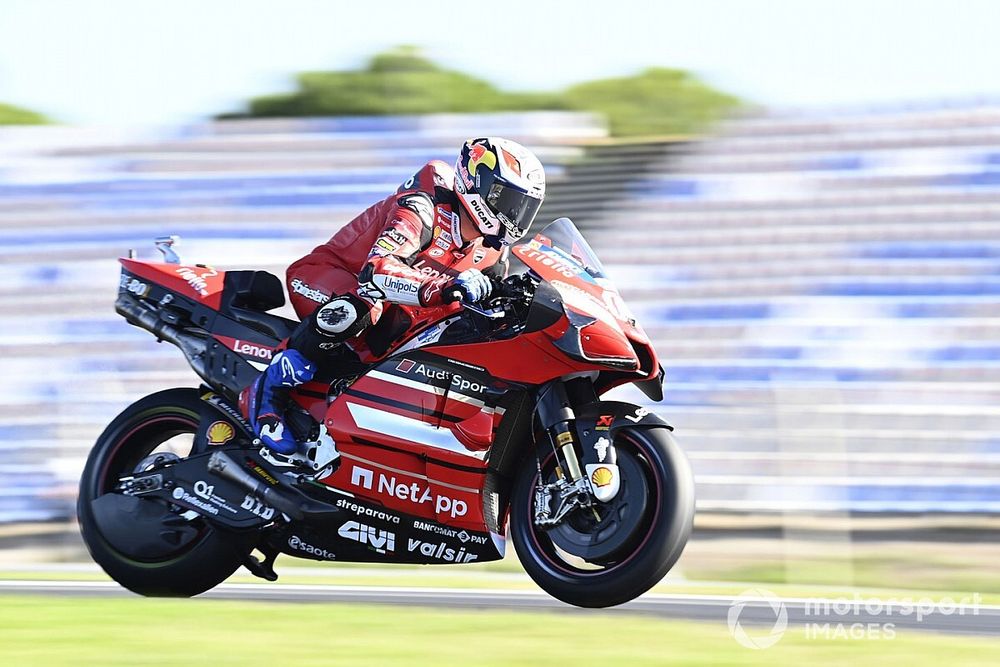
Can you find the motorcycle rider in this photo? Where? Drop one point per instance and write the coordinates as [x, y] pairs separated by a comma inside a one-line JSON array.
[[400, 250]]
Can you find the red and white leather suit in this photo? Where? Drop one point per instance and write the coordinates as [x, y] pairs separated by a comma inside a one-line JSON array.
[[401, 249]]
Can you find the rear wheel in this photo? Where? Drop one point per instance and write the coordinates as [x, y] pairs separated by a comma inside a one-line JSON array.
[[155, 430], [611, 558]]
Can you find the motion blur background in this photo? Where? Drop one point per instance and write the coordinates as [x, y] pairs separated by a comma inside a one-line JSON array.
[[805, 217]]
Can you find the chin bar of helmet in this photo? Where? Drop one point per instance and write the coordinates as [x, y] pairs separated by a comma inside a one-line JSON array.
[[493, 241]]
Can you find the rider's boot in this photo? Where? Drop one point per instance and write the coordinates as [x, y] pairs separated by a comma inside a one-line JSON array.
[[269, 399], [267, 410]]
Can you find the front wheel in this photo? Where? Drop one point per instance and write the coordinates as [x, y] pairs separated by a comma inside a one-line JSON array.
[[631, 543], [199, 556]]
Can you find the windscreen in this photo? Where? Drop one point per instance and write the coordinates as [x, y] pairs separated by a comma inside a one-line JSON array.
[[563, 236]]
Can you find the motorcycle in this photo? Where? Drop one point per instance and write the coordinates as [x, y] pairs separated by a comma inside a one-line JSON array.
[[453, 423]]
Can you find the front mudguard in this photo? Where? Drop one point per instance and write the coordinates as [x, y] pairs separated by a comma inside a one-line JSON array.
[[596, 425]]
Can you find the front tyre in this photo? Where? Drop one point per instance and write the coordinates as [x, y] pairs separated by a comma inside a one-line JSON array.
[[161, 423], [639, 535]]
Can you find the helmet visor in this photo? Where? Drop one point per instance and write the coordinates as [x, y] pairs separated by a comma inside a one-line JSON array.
[[515, 208]]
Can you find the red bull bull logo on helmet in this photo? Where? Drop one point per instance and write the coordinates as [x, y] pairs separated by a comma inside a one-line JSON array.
[[478, 154]]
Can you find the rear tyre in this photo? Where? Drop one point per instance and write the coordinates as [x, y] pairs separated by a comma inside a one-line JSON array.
[[640, 535], [157, 422]]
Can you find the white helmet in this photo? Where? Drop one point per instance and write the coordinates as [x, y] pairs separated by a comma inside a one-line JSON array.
[[501, 184]]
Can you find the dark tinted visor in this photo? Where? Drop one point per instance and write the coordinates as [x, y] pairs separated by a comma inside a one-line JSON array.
[[515, 208]]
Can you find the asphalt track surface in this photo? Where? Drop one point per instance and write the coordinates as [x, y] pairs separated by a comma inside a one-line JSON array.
[[967, 619]]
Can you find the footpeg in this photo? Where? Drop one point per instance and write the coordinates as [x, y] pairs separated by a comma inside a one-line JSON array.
[[319, 457], [322, 454]]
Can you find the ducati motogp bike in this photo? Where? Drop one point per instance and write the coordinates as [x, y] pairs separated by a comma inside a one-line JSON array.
[[459, 426]]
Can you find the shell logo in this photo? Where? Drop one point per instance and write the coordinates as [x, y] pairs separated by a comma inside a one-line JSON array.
[[602, 476], [219, 433]]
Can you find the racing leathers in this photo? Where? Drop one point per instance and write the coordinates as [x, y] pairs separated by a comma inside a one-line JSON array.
[[406, 249]]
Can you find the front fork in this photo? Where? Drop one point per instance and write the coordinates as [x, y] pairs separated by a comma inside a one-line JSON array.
[[573, 487]]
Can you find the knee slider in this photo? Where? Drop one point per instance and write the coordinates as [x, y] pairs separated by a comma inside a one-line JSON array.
[[342, 317]]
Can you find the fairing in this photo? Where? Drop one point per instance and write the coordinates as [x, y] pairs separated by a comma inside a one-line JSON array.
[[577, 322], [560, 255], [601, 330], [430, 425]]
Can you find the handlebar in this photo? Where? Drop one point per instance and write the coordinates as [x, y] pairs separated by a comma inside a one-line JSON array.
[[504, 297], [457, 294], [453, 295], [509, 289]]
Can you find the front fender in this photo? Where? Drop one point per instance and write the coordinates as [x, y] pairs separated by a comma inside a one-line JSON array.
[[596, 425]]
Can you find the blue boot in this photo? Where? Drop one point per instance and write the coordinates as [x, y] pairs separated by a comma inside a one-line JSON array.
[[288, 369]]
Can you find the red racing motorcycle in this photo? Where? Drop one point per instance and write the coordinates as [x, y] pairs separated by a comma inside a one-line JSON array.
[[457, 426]]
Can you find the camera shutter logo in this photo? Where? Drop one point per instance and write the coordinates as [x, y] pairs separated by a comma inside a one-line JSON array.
[[757, 636]]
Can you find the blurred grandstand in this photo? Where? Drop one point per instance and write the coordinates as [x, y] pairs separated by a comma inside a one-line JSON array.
[[824, 290]]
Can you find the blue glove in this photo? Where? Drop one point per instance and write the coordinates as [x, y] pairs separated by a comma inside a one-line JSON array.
[[475, 285]]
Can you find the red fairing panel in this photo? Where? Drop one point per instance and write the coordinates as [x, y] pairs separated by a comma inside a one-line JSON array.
[[312, 397], [528, 359], [602, 340], [202, 283], [610, 336], [255, 351], [411, 461], [403, 482], [414, 416], [413, 444]]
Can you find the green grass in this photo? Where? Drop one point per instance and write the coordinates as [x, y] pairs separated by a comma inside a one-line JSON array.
[[896, 570], [43, 631]]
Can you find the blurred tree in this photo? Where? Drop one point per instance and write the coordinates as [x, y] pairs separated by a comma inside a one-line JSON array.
[[656, 102], [402, 81], [11, 115]]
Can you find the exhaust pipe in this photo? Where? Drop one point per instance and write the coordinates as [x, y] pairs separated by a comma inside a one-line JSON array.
[[219, 463], [220, 368], [192, 346]]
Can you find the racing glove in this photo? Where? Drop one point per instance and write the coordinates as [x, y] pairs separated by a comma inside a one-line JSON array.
[[474, 284], [470, 285]]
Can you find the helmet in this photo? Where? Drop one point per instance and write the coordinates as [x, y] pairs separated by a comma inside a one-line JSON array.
[[501, 184]]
